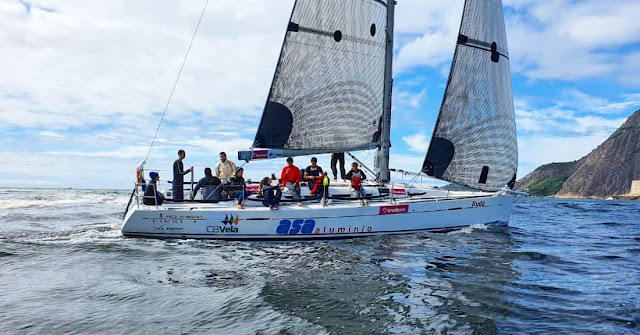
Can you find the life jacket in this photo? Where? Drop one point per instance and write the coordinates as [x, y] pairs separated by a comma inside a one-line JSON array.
[[356, 183], [316, 183]]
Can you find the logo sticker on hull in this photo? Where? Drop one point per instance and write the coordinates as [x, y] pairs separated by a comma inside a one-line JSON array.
[[397, 209], [296, 226], [399, 191], [227, 226], [229, 220]]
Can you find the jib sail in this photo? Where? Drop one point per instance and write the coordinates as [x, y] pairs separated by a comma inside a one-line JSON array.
[[474, 142]]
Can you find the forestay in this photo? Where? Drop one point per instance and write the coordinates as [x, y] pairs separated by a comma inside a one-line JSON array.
[[474, 142], [327, 90]]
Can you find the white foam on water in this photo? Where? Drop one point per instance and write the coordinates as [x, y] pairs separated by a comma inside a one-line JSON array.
[[471, 229], [76, 235]]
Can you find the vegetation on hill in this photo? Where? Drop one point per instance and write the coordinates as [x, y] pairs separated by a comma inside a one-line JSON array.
[[546, 187], [548, 179]]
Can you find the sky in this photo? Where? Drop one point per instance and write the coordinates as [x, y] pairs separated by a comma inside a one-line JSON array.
[[83, 84]]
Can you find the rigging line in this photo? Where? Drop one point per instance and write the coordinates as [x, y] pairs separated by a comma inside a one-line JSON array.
[[177, 79]]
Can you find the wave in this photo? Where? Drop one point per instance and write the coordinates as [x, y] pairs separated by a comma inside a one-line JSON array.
[[534, 256]]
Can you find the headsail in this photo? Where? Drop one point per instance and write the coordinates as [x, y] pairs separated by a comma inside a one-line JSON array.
[[474, 142], [327, 90]]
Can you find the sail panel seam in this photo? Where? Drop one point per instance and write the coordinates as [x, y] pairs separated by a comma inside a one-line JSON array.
[[482, 48], [330, 34], [476, 99]]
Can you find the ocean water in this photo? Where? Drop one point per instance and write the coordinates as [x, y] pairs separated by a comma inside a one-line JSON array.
[[559, 267]]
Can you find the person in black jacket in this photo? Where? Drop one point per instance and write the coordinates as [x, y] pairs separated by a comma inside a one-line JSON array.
[[357, 176], [210, 185], [271, 195], [236, 188], [178, 176], [151, 195]]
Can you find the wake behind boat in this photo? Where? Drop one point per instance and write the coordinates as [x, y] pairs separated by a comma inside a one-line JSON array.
[[331, 92]]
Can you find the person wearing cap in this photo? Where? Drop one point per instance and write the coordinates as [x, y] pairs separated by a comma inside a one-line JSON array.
[[236, 188], [290, 178], [153, 197], [178, 176]]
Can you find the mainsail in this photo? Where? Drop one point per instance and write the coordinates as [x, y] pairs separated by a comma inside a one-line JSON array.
[[327, 91], [474, 142]]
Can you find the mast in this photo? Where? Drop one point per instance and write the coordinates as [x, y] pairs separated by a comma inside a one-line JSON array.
[[383, 152]]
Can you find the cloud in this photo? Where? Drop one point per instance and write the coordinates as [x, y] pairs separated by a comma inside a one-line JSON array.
[[575, 114], [580, 100], [630, 70], [83, 63], [51, 134], [417, 142], [124, 152], [555, 120], [426, 31], [558, 39], [547, 39], [84, 83], [536, 150]]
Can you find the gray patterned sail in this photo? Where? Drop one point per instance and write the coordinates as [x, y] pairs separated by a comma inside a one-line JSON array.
[[327, 90], [474, 143]]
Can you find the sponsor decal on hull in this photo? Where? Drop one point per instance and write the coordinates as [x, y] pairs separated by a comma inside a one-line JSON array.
[[397, 209], [265, 154], [398, 191], [296, 227], [292, 227], [176, 218], [167, 228], [343, 230], [254, 189], [227, 226]]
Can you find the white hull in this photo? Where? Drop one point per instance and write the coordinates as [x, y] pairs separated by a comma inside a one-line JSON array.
[[312, 221]]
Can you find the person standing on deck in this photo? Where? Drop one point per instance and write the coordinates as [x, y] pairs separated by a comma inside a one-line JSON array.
[[178, 176], [290, 178], [225, 168], [335, 158]]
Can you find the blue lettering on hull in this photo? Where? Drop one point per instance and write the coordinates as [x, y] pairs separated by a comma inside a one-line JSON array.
[[296, 227]]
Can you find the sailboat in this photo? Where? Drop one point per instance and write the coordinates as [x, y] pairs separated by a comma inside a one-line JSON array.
[[331, 92]]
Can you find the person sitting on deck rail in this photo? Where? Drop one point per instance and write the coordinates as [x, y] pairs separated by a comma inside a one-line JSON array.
[[314, 176], [210, 187], [357, 176], [290, 178], [225, 168], [151, 195], [236, 188], [271, 195]]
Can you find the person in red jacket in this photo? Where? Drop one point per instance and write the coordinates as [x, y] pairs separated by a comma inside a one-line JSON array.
[[290, 178]]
